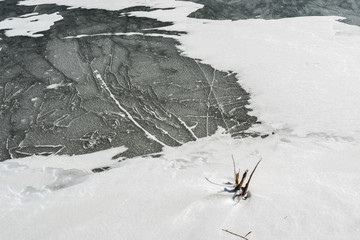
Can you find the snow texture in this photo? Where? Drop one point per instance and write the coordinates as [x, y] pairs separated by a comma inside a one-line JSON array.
[[29, 25], [304, 188]]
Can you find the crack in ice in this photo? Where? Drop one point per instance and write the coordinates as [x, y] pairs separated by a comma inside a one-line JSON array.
[[106, 88]]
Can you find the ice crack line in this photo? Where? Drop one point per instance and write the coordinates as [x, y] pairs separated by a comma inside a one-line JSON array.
[[211, 91], [106, 88], [186, 126]]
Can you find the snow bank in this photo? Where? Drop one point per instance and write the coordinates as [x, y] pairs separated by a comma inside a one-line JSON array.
[[304, 188]]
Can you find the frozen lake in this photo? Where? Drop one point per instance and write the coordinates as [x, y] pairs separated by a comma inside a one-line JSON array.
[[137, 107], [148, 94]]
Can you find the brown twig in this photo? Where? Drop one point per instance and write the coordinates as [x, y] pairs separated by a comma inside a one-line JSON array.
[[246, 188], [239, 185], [243, 179], [225, 230]]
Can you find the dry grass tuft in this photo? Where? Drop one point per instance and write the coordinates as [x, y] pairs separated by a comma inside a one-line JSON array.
[[240, 191]]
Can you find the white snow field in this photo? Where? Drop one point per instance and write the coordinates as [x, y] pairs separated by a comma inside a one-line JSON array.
[[304, 78], [29, 24]]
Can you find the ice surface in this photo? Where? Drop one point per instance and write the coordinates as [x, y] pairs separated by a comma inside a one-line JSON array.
[[102, 90], [275, 9], [292, 67], [302, 74], [114, 6]]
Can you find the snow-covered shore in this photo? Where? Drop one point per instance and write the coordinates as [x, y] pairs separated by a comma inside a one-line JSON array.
[[305, 188]]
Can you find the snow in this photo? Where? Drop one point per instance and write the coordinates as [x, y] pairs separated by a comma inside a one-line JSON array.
[[304, 82], [29, 24], [292, 67], [304, 188]]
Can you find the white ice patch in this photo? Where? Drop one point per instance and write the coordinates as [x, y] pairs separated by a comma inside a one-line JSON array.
[[56, 85], [29, 25], [302, 73]]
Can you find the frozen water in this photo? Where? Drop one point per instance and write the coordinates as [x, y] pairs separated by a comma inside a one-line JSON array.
[[53, 103], [103, 82], [275, 9], [65, 95]]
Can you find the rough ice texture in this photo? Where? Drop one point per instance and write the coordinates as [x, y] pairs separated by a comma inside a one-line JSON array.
[[275, 9], [108, 5], [79, 95]]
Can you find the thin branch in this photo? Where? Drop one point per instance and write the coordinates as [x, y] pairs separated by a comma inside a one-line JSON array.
[[248, 233], [218, 184], [225, 230], [237, 177], [246, 188], [243, 179]]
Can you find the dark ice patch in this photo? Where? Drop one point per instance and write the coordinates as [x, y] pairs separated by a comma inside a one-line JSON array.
[[102, 91], [275, 9]]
